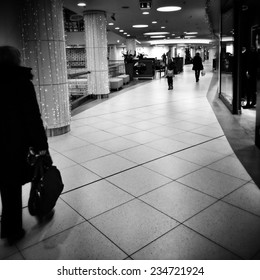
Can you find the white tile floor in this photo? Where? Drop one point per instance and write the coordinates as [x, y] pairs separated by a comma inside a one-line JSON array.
[[148, 174]]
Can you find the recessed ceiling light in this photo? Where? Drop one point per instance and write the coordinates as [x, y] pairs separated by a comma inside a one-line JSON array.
[[82, 4], [162, 27], [146, 13], [111, 23], [191, 33], [154, 22], [156, 33], [121, 30], [140, 26], [169, 9], [125, 33], [173, 34], [157, 36], [117, 27], [128, 35]]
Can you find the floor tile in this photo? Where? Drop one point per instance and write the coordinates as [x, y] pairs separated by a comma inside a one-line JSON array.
[[178, 201], [165, 131], [167, 145], [117, 144], [108, 165], [133, 225], [138, 180], [86, 153], [76, 131], [209, 131], [96, 198], [127, 120], [95, 137], [231, 166], [105, 125], [185, 125], [122, 130], [91, 245], [61, 161], [77, 176], [232, 228], [164, 120], [64, 218], [142, 137], [199, 156], [190, 138], [182, 243], [6, 250], [17, 256], [144, 125], [247, 197], [141, 154], [172, 167], [202, 120], [218, 145], [68, 143], [212, 182]]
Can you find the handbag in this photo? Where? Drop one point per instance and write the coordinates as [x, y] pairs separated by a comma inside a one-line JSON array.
[[46, 187], [203, 73]]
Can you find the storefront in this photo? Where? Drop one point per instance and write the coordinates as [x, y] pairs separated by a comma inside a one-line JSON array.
[[239, 55]]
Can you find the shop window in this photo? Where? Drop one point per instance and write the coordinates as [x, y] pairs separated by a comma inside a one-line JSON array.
[[227, 57]]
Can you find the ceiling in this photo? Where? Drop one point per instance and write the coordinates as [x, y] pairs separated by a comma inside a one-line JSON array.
[[191, 18]]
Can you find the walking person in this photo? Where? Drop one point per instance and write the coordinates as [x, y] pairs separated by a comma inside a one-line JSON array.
[[22, 127], [197, 66], [169, 74]]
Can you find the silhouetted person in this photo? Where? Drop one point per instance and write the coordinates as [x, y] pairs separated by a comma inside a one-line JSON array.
[[169, 73], [197, 66], [21, 128]]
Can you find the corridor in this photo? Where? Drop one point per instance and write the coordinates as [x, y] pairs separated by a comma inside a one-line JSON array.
[[148, 174]]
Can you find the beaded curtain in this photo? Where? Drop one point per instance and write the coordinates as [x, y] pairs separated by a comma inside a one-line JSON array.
[[44, 51]]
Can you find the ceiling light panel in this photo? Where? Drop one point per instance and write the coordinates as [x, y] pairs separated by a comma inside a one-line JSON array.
[[140, 26], [157, 36], [156, 33], [82, 4], [169, 9]]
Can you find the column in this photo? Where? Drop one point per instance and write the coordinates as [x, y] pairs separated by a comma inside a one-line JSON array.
[[44, 51], [96, 53], [131, 45]]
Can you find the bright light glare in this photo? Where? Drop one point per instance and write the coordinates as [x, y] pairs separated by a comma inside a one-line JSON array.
[[191, 33], [82, 4], [169, 9], [157, 36], [156, 33], [140, 26]]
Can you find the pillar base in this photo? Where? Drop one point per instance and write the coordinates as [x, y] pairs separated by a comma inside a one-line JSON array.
[[57, 131]]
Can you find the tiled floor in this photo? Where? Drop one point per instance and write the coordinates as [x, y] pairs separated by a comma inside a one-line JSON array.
[[148, 174]]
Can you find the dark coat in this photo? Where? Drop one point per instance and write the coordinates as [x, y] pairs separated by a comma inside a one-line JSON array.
[[21, 124], [197, 63]]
